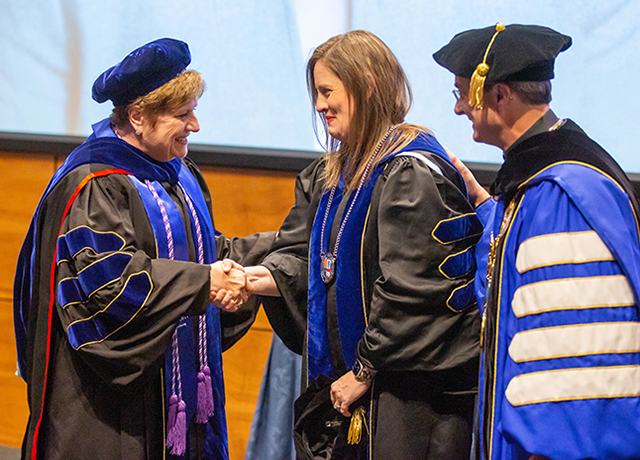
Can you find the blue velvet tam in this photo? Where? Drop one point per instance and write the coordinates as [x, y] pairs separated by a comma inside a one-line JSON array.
[[142, 71]]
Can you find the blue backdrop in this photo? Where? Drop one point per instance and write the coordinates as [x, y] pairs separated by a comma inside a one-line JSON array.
[[252, 54]]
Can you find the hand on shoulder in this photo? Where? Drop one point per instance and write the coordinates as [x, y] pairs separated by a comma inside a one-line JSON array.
[[477, 193]]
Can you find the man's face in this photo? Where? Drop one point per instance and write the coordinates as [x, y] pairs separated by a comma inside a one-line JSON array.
[[485, 121]]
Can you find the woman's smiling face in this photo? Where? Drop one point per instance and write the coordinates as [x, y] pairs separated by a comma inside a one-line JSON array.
[[168, 138], [333, 101]]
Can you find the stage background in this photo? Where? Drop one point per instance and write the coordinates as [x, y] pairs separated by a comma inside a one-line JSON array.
[[252, 55], [255, 114]]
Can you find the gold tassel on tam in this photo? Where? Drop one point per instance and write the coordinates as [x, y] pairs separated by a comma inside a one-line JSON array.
[[476, 86], [355, 428]]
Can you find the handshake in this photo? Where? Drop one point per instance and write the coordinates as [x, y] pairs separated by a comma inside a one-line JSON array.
[[229, 287]]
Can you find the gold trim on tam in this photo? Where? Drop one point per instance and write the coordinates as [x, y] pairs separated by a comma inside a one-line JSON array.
[[476, 85]]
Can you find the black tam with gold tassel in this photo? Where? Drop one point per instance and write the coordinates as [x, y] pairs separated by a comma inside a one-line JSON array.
[[501, 54], [476, 86]]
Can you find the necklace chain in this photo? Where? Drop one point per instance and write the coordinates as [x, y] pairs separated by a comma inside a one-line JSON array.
[[332, 256], [115, 130]]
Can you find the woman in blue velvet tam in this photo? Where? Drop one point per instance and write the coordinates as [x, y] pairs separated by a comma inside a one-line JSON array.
[[371, 274], [116, 338]]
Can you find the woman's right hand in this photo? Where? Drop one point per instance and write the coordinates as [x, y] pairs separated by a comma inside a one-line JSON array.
[[229, 287]]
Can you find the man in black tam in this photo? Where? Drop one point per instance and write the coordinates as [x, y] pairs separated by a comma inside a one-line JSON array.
[[558, 274]]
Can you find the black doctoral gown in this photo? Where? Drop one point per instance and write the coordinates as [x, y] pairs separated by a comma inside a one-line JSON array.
[[426, 353], [105, 399]]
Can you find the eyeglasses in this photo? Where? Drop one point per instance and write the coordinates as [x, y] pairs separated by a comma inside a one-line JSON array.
[[458, 94]]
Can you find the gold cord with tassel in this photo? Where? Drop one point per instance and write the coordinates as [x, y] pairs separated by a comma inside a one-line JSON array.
[[355, 427], [476, 86]]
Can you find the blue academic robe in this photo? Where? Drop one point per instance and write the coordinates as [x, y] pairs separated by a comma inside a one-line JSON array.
[[98, 297], [561, 355]]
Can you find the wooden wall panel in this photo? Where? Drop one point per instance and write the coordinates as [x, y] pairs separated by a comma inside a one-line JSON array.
[[23, 179], [13, 403], [244, 202], [243, 368]]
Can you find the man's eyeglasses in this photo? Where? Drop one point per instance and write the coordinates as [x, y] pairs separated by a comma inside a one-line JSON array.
[[457, 94]]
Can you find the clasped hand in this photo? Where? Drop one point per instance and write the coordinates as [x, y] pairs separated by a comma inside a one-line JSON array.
[[230, 287], [346, 390]]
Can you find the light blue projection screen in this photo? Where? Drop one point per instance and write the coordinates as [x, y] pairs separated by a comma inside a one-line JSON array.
[[252, 55]]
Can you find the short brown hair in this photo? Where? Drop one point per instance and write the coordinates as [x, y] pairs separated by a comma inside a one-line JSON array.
[[187, 86], [532, 92], [529, 92]]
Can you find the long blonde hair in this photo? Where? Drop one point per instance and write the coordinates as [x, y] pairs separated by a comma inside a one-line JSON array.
[[381, 97]]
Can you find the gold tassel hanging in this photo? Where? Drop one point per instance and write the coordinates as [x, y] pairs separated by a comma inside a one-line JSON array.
[[355, 427], [476, 86]]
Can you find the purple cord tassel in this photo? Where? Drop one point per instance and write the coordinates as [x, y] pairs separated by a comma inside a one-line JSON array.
[[204, 409], [177, 437], [171, 418], [209, 386]]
